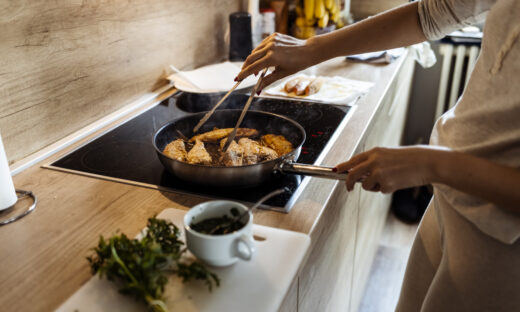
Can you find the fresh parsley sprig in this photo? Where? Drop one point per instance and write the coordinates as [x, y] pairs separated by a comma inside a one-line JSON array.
[[141, 267]]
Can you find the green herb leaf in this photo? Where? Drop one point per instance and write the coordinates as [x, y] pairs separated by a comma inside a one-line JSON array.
[[141, 267]]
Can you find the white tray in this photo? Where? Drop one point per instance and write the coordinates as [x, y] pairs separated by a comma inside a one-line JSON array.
[[257, 285]]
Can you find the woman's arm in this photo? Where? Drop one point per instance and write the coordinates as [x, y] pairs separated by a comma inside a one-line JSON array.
[[391, 29], [390, 169]]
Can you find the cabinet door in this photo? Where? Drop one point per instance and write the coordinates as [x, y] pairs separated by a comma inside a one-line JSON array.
[[325, 280]]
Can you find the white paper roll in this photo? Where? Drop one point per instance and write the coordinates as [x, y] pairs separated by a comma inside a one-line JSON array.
[[7, 193]]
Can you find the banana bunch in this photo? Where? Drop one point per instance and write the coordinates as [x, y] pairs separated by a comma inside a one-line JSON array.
[[317, 13]]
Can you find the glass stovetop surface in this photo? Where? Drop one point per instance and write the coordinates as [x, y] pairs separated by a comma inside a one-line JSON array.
[[127, 153]]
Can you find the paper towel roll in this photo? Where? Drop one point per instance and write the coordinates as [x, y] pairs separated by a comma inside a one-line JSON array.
[[7, 192]]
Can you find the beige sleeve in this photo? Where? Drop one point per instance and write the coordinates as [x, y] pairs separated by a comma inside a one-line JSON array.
[[440, 17]]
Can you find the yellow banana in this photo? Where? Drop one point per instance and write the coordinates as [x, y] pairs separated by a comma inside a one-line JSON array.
[[329, 4], [319, 9], [309, 22], [334, 17], [300, 21], [322, 22], [308, 9], [308, 32], [334, 8]]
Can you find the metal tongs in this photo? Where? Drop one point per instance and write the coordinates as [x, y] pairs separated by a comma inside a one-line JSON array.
[[232, 135], [208, 114]]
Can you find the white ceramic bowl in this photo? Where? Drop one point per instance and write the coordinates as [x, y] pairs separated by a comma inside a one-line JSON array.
[[219, 250]]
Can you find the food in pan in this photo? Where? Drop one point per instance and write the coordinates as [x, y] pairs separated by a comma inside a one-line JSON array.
[[304, 86], [278, 143], [198, 154], [217, 134], [176, 150], [254, 152], [248, 150], [234, 154]]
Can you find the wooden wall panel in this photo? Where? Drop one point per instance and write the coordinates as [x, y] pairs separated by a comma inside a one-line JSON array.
[[64, 64]]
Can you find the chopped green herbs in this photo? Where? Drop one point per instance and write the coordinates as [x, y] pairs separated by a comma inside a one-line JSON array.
[[141, 267], [220, 225]]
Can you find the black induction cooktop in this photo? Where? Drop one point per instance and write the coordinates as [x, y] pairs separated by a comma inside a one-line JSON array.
[[126, 154]]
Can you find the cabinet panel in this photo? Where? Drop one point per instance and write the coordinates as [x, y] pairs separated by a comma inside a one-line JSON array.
[[325, 280], [372, 216]]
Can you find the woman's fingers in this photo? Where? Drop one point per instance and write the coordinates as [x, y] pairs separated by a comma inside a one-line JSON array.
[[263, 43], [354, 161], [357, 169], [255, 55], [285, 53], [254, 63], [356, 174], [272, 77], [371, 183]]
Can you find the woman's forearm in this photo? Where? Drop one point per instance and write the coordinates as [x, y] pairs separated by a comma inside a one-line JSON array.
[[394, 28], [478, 177]]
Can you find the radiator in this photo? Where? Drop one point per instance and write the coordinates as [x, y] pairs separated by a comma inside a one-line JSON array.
[[457, 64]]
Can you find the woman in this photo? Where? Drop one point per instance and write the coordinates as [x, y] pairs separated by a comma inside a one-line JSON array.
[[466, 254]]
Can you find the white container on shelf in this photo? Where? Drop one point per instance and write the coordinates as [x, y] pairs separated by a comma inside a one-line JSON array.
[[7, 193], [268, 23], [253, 8]]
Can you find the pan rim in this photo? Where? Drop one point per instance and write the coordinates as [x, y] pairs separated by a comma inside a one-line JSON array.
[[276, 160]]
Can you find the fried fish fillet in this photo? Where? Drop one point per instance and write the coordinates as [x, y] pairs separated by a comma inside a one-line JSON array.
[[217, 134], [198, 154], [176, 150], [277, 142], [254, 152], [234, 154]]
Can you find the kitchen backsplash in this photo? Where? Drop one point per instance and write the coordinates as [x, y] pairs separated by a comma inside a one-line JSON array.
[[65, 64]]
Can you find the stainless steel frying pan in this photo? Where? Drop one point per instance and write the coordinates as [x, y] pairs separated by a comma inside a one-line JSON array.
[[239, 176]]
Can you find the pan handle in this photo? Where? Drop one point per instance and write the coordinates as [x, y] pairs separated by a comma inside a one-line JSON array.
[[311, 170]]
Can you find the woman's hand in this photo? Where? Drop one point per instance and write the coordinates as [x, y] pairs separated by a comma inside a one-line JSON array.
[[286, 54], [390, 169]]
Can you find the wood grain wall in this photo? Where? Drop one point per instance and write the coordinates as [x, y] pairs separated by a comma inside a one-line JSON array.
[[67, 63]]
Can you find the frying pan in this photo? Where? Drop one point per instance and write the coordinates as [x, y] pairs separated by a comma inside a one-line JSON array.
[[239, 176]]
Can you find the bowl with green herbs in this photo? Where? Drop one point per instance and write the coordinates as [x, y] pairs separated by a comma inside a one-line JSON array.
[[219, 232]]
